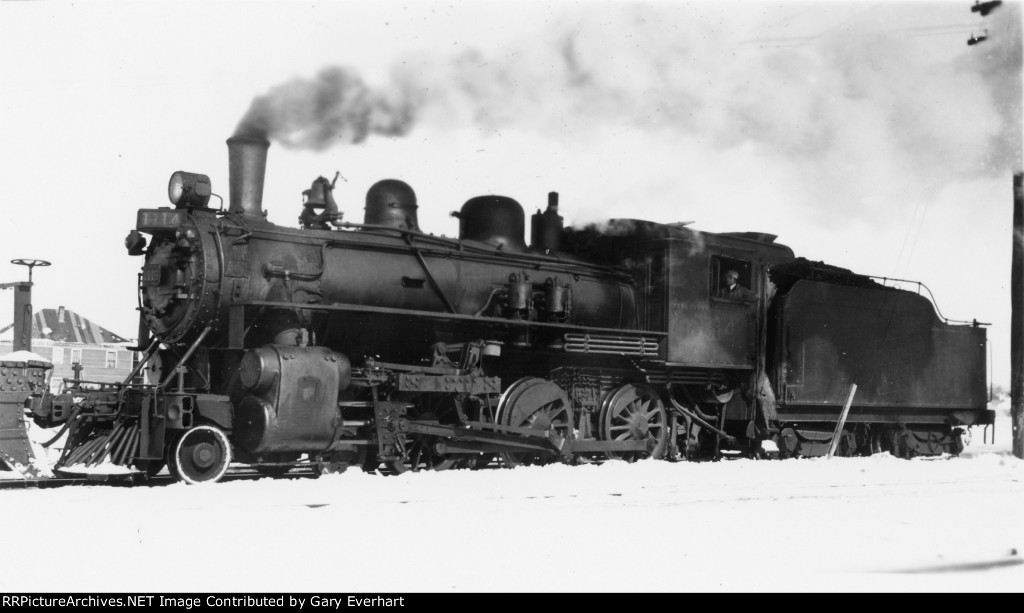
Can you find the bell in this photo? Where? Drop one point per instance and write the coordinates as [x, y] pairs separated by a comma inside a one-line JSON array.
[[316, 195], [320, 196]]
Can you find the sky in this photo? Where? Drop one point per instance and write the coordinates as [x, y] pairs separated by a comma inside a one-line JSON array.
[[871, 524], [868, 135]]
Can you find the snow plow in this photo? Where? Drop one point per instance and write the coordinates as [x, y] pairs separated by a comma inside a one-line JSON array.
[[35, 426], [22, 375]]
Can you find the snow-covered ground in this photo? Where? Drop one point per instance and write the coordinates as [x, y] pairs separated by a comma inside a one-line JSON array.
[[878, 523]]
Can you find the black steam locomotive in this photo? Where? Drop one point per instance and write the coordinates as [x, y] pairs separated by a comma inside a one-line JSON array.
[[339, 344]]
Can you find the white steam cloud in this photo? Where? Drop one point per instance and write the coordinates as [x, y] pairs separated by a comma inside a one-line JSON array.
[[858, 114]]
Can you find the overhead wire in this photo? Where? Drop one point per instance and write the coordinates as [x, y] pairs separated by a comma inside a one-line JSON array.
[[785, 42], [906, 238], [917, 235], [799, 41]]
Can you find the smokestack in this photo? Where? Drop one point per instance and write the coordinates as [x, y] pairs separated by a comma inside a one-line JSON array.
[[247, 166]]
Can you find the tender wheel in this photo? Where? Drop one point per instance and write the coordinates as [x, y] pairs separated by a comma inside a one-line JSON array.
[[788, 443], [200, 455], [538, 404], [885, 439], [634, 413]]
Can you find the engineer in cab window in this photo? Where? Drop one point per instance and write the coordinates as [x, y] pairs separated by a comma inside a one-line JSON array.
[[732, 290]]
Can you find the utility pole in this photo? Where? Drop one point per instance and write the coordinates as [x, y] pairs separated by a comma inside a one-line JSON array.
[[1017, 319]]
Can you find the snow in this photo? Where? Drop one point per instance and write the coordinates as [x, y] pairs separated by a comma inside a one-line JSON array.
[[103, 468], [869, 524], [22, 356]]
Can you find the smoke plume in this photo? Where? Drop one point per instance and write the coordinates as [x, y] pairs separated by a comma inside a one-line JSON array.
[[335, 107], [855, 115]]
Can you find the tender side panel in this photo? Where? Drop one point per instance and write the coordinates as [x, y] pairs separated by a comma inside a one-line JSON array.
[[889, 342]]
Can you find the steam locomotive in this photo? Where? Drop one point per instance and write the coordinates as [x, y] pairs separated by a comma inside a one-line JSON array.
[[339, 344]]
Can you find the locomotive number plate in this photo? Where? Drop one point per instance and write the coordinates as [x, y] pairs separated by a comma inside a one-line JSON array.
[[151, 275], [160, 219]]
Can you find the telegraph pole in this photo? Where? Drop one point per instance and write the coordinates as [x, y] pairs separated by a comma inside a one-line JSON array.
[[1017, 319]]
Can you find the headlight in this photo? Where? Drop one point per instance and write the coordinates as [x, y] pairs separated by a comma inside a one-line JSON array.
[[188, 189]]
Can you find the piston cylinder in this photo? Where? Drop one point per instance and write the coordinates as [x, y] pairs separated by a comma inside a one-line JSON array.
[[292, 398]]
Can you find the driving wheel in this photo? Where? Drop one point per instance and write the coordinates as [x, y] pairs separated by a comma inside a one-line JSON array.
[[537, 404], [634, 413]]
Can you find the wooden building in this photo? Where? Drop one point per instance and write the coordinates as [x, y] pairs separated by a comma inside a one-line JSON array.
[[65, 338]]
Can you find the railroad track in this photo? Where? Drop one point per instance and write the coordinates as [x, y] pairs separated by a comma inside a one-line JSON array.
[[240, 473]]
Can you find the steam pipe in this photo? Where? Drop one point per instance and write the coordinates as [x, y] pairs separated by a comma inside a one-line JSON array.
[[64, 428], [146, 356], [683, 410]]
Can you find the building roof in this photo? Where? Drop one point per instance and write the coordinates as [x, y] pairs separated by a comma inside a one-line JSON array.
[[64, 325]]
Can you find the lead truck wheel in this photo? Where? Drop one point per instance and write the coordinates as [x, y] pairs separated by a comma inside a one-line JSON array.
[[200, 455]]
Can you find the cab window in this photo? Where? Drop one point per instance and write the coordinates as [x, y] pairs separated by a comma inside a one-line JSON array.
[[720, 265]]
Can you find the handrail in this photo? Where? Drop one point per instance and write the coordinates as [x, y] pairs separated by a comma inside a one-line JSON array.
[[195, 344], [931, 297]]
